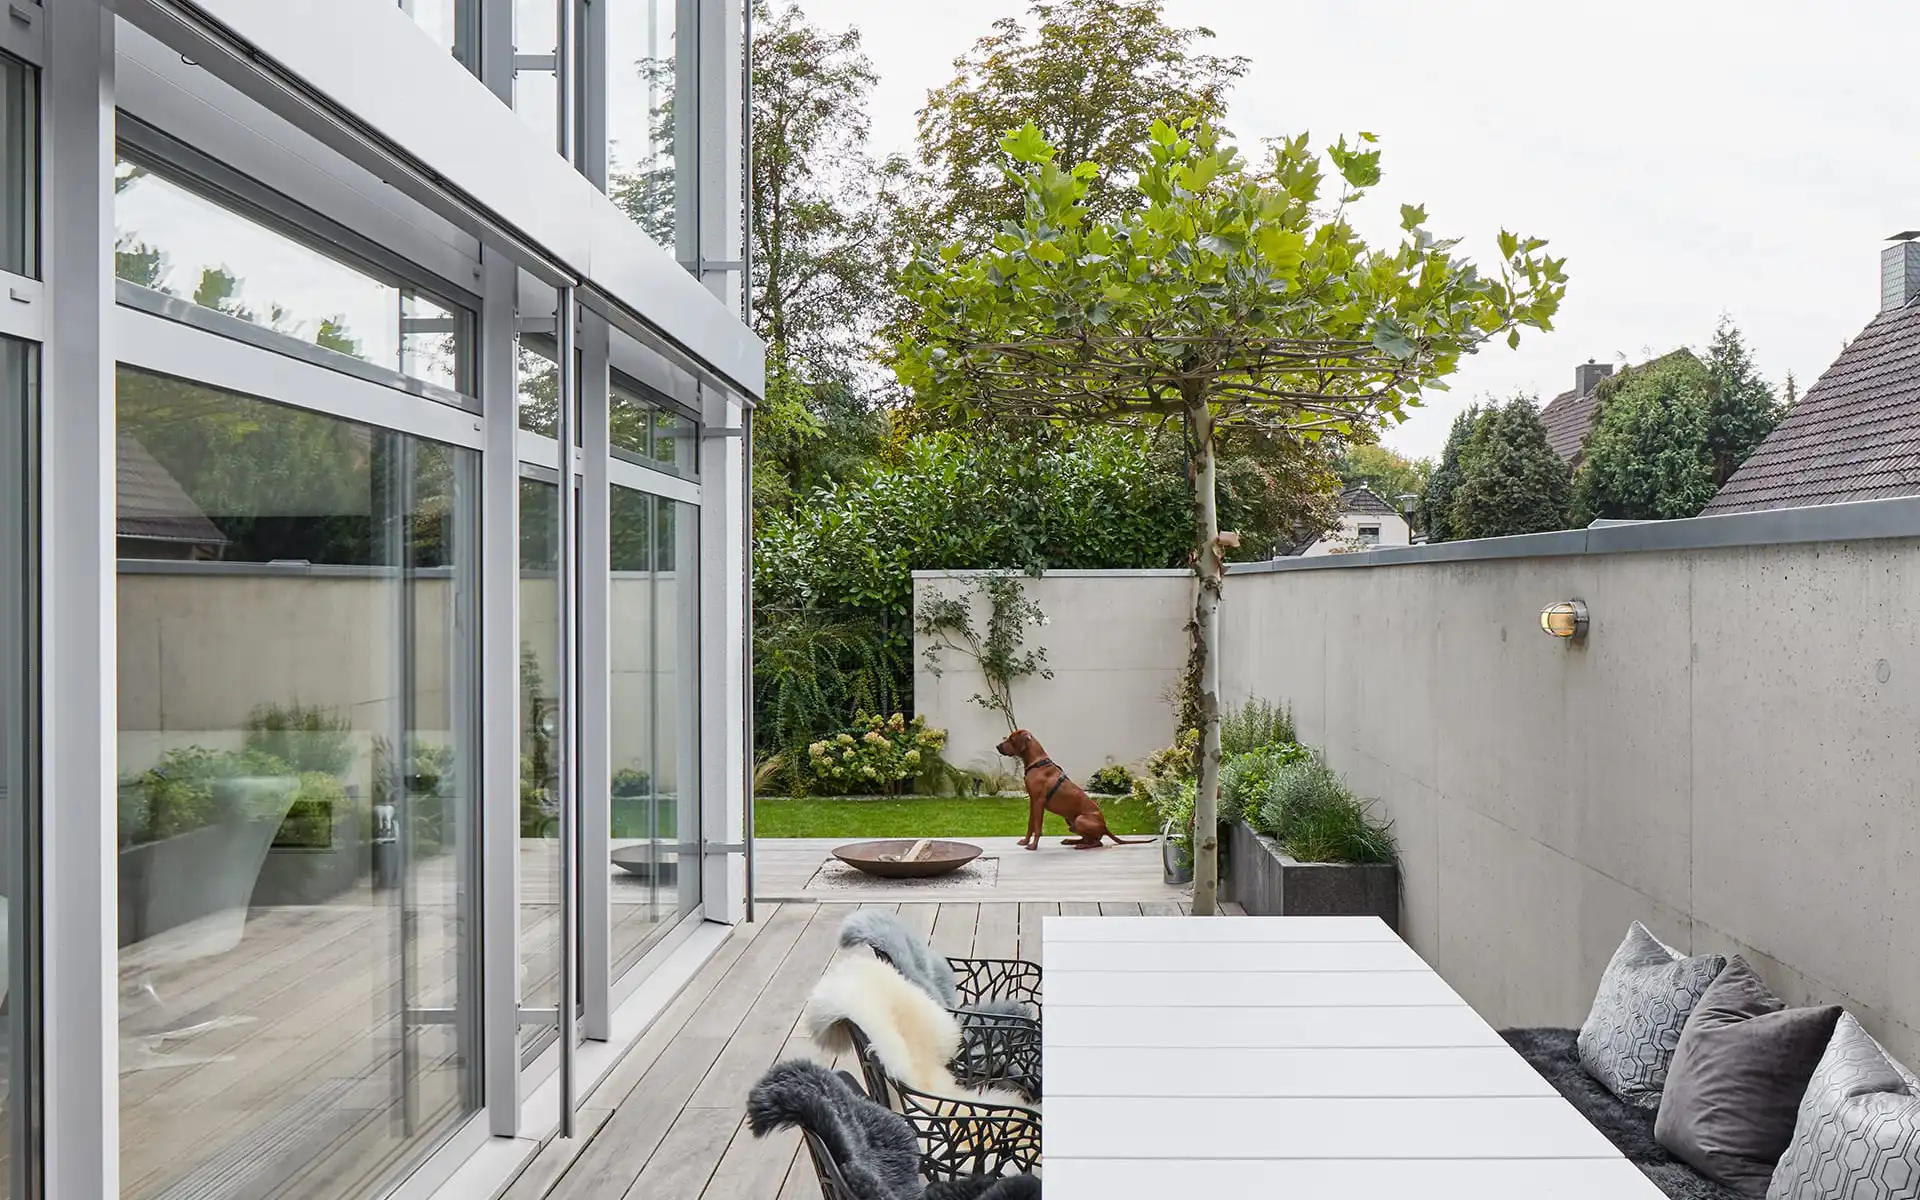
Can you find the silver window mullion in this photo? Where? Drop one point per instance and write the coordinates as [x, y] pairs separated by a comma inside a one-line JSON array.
[[500, 698], [23, 31], [596, 658], [79, 719]]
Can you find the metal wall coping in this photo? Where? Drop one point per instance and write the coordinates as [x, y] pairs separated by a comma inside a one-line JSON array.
[[1862, 520]]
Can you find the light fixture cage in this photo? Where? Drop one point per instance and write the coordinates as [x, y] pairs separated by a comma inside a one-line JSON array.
[[1567, 619]]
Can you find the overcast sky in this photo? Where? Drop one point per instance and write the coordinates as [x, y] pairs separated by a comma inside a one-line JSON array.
[[1688, 157]]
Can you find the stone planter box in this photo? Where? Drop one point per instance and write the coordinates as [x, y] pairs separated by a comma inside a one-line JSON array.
[[1267, 883]]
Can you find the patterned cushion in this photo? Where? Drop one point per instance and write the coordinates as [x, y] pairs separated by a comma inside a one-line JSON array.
[[1858, 1134], [1645, 997]]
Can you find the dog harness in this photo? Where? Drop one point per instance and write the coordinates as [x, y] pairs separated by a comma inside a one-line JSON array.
[[1047, 762]]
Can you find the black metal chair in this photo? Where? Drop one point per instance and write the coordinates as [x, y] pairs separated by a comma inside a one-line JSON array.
[[832, 1185], [958, 1138], [995, 1048]]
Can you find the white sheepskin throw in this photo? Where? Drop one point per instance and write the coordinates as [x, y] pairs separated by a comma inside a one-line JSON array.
[[913, 1036]]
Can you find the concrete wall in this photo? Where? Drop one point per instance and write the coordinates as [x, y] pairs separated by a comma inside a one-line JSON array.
[[1730, 757], [1115, 640]]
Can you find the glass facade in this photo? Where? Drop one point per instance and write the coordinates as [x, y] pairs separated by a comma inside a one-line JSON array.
[[297, 807], [299, 522], [643, 74], [173, 241]]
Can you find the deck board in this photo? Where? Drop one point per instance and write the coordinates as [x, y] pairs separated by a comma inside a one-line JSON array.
[[668, 1122]]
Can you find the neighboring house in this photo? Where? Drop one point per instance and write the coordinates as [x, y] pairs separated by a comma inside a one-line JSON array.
[[1855, 434], [1367, 520], [1569, 417], [155, 516]]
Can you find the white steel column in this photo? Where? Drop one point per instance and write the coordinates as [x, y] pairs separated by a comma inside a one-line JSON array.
[[79, 685], [718, 165], [596, 685], [723, 649], [500, 697]]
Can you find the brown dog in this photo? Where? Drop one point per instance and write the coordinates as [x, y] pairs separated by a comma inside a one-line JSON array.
[[1049, 789]]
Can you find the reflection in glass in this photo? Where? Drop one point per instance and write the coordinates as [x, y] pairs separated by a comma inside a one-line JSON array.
[[18, 823], [643, 428], [20, 160], [641, 76], [539, 758], [296, 806], [537, 384], [535, 91], [654, 791], [172, 240]]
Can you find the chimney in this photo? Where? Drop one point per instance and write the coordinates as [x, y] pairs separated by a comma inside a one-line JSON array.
[[1588, 375], [1900, 271]]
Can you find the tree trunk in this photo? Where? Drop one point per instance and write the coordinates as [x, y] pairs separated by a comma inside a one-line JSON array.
[[1204, 657]]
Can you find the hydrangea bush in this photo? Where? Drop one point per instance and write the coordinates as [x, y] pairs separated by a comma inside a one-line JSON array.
[[876, 755]]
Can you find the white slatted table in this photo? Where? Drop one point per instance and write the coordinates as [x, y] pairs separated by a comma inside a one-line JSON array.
[[1291, 1056]]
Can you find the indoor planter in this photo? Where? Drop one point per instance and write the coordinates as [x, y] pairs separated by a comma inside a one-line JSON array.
[[1268, 882]]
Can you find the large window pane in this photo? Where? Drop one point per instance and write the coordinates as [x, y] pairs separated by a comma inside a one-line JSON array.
[[537, 384], [297, 801], [173, 240], [20, 160], [18, 823], [644, 428], [444, 20], [641, 75], [654, 790], [535, 91]]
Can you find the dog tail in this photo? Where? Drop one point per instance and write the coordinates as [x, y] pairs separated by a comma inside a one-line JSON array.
[[1120, 841]]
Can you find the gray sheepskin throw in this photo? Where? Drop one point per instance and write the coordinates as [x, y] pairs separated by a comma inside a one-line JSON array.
[[887, 935], [874, 1147]]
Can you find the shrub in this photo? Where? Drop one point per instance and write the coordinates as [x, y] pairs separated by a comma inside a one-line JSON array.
[[309, 823], [1175, 761], [1111, 780], [1247, 777], [182, 793], [629, 782], [308, 739], [877, 754], [1173, 801], [1314, 816], [1256, 724]]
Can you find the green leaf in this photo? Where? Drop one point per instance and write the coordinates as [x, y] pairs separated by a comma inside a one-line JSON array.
[[1412, 216], [1027, 145], [1391, 337]]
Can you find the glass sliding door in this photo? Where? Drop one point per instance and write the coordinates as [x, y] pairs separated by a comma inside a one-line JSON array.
[[654, 789], [19, 824], [539, 759], [297, 803]]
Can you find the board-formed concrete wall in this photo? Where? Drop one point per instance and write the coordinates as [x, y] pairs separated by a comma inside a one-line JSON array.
[[1732, 756], [1115, 641]]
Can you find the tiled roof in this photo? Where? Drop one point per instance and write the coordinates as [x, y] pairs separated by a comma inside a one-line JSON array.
[[1567, 417], [151, 503], [1571, 414], [1363, 500], [1854, 435]]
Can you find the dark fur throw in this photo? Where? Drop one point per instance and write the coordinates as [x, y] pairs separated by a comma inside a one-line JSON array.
[[874, 1147], [1552, 1052]]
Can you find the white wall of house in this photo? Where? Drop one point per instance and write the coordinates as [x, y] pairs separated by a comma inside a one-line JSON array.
[[1115, 640], [1362, 531]]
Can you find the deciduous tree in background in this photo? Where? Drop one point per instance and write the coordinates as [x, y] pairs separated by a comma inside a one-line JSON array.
[[1510, 480], [1093, 74], [1223, 298]]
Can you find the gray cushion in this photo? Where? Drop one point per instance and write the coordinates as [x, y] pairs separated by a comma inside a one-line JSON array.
[[1858, 1133], [1645, 997], [1734, 1087]]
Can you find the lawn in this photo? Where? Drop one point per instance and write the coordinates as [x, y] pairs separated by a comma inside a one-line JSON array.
[[928, 816]]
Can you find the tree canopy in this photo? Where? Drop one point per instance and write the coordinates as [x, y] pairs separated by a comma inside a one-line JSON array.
[[1647, 457], [1388, 473], [1092, 75], [1437, 507], [1741, 406], [1510, 480], [1227, 298]]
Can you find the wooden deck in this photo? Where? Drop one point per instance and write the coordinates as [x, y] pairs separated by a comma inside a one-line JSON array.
[[669, 1122], [787, 869]]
